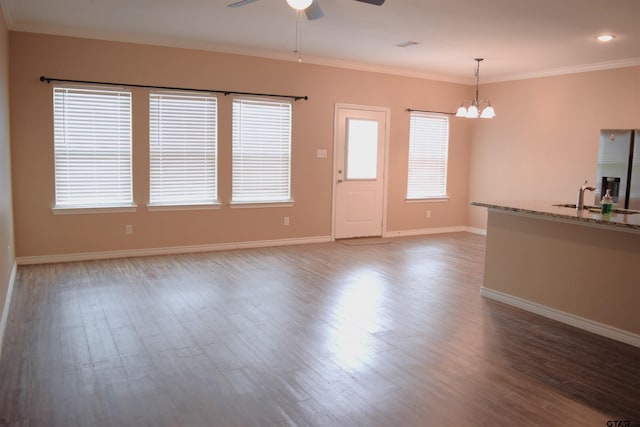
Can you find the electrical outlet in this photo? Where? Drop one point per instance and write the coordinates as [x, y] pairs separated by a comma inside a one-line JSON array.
[[286, 220], [428, 214], [128, 229]]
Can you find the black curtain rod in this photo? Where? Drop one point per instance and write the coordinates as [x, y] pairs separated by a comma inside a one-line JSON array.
[[427, 111], [225, 92]]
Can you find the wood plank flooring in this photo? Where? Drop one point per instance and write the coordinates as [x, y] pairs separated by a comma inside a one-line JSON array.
[[313, 335]]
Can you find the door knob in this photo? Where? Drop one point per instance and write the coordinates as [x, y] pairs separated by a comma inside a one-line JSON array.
[[339, 181]]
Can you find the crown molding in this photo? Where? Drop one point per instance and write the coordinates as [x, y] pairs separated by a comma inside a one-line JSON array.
[[585, 68], [234, 50], [291, 57]]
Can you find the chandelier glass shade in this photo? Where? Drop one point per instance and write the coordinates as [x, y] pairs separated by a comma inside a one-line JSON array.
[[476, 107], [299, 4]]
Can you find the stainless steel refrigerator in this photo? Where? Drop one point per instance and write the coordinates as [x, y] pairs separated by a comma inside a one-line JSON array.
[[619, 167]]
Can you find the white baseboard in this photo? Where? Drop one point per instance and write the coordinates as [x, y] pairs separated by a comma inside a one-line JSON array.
[[7, 304], [86, 256], [564, 317], [440, 230], [424, 231], [475, 230]]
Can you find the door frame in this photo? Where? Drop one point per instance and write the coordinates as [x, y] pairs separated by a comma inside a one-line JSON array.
[[385, 174]]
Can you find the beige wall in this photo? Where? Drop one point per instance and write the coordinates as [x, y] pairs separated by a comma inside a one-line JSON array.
[[39, 233], [7, 258], [543, 143], [575, 268]]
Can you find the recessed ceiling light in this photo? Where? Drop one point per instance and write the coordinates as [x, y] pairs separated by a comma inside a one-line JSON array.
[[606, 37]]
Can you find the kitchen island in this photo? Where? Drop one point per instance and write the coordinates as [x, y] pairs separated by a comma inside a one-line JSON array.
[[576, 266]]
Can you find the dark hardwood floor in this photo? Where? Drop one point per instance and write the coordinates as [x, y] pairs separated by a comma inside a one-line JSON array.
[[390, 334]]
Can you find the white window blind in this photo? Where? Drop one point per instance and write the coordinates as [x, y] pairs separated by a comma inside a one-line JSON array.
[[261, 151], [92, 147], [182, 148], [428, 150]]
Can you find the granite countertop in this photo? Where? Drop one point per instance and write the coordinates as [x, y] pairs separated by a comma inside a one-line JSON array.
[[622, 222]]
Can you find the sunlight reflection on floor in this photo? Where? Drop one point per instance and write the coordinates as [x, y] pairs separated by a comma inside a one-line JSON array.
[[357, 314]]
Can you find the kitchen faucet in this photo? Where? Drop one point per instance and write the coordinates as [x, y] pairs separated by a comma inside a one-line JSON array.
[[581, 190]]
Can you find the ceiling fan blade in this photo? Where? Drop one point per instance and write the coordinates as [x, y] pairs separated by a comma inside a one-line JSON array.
[[241, 3], [374, 2], [314, 11]]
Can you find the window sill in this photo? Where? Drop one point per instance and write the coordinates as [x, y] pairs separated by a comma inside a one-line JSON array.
[[285, 204], [187, 207], [82, 210], [428, 200]]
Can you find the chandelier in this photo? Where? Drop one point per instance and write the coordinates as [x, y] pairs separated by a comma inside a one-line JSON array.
[[475, 108]]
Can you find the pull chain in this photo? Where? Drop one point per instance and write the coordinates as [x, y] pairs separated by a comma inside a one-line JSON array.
[[298, 48]]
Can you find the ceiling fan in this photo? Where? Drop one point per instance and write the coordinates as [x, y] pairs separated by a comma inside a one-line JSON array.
[[313, 11]]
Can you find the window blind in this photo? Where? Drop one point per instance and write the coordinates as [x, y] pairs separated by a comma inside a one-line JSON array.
[[92, 147], [182, 149], [428, 151], [261, 151]]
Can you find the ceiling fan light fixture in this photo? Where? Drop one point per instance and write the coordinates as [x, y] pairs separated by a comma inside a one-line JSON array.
[[299, 4]]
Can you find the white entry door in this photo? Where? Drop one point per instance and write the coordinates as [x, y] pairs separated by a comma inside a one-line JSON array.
[[360, 147]]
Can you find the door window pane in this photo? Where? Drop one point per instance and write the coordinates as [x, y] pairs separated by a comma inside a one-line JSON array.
[[362, 149]]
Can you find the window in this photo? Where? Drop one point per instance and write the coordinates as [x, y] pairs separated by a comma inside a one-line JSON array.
[[261, 151], [182, 149], [428, 147], [92, 147]]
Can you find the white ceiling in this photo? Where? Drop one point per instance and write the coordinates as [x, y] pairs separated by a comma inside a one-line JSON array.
[[517, 38]]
